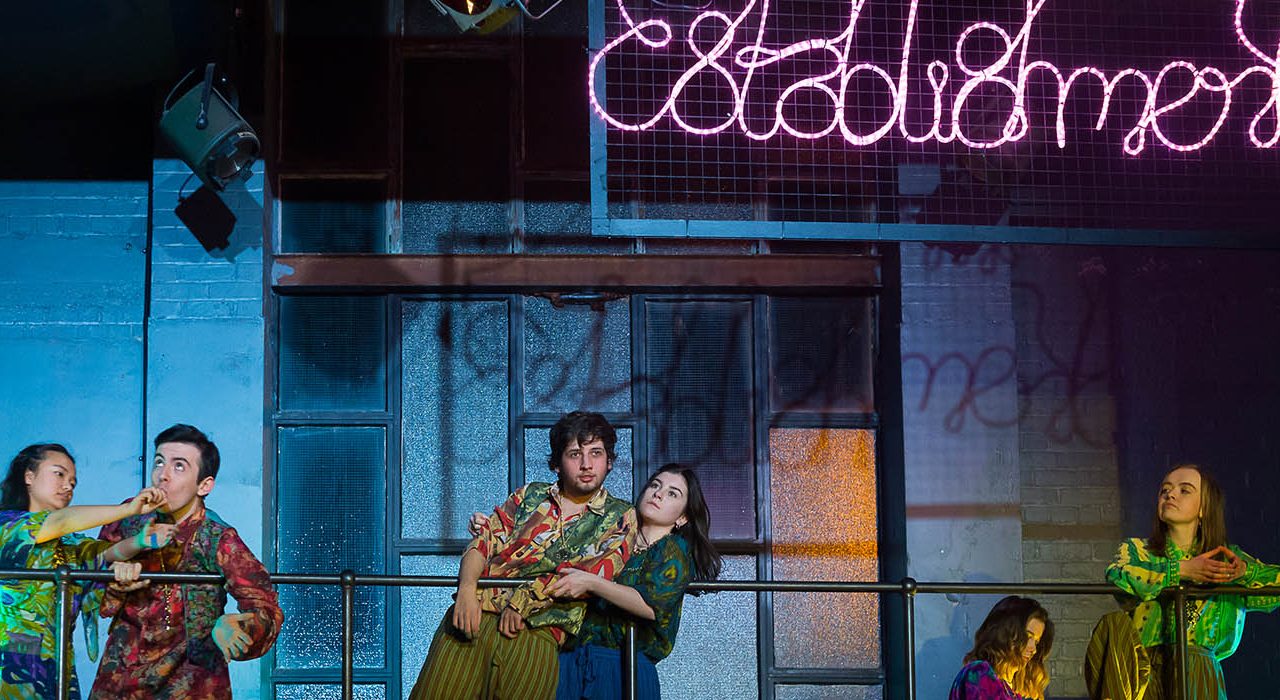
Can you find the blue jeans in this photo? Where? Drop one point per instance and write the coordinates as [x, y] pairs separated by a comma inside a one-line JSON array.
[[595, 673]]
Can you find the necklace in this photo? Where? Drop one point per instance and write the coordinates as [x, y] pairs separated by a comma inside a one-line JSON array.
[[642, 542]]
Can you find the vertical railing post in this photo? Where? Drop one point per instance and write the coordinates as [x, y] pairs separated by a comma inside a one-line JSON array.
[[348, 582], [630, 688], [1180, 645], [62, 656], [909, 637]]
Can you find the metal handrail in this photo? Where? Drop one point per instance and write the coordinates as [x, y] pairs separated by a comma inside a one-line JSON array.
[[348, 580]]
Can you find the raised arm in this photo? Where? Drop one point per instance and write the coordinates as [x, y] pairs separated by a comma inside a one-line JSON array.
[[76, 518]]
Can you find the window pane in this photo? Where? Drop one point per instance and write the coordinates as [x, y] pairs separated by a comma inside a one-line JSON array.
[[820, 538], [333, 216], [332, 353], [421, 610], [577, 357], [328, 691], [713, 659], [619, 481], [699, 391], [456, 227], [829, 692], [821, 355], [454, 412], [324, 529]]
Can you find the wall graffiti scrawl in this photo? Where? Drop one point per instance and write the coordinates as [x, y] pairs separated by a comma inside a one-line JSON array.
[[1039, 112]]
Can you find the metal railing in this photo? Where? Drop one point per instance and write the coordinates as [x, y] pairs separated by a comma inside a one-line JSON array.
[[907, 588]]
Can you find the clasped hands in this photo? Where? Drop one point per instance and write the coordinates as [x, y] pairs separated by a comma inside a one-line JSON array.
[[1204, 568]]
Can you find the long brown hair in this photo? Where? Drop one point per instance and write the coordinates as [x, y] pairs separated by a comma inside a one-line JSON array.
[[1211, 533], [707, 562], [1001, 638]]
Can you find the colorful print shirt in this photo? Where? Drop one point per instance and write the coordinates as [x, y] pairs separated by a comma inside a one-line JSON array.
[[28, 609], [160, 644], [1215, 623], [978, 681], [526, 537], [660, 574]]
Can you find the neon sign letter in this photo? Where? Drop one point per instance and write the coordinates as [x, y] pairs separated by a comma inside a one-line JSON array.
[[727, 51]]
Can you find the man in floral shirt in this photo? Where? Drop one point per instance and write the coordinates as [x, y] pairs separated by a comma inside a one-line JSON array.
[[503, 643], [172, 641]]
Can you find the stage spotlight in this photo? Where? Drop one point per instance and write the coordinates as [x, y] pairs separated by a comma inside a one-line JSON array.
[[209, 135], [485, 16]]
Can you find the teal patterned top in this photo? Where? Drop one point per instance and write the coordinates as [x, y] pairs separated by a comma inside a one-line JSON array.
[[660, 574], [28, 609], [1215, 623]]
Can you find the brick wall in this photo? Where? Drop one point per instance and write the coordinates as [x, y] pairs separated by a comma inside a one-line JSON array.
[[1070, 487], [960, 446], [72, 266]]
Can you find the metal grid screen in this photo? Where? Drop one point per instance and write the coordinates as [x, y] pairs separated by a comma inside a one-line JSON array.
[[1047, 113]]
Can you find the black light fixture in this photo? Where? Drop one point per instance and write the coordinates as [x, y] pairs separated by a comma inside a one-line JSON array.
[[208, 133]]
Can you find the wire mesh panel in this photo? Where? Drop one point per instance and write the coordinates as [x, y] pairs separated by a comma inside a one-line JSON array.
[[1054, 113]]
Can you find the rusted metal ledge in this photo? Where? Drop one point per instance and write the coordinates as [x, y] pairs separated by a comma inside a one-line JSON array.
[[800, 274]]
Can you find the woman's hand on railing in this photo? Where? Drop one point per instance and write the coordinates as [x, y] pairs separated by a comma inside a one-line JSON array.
[[574, 583]]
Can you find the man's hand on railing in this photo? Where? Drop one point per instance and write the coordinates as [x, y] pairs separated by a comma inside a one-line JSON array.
[[127, 575], [466, 614], [1204, 568]]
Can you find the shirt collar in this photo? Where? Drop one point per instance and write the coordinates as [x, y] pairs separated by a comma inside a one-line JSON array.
[[595, 505]]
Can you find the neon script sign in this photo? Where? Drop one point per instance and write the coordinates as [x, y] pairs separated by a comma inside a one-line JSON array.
[[711, 36]]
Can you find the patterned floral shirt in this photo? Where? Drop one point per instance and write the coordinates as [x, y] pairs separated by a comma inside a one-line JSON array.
[[160, 644], [527, 537], [978, 681], [660, 574], [28, 609], [1215, 623]]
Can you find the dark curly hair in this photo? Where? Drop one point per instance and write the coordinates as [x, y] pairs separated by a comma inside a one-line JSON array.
[[1001, 638], [583, 426]]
